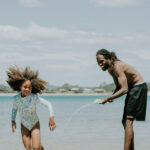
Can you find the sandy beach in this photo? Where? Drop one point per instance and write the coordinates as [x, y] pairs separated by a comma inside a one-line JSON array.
[[65, 94], [60, 94]]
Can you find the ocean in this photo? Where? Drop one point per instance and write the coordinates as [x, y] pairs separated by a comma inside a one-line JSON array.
[[80, 125]]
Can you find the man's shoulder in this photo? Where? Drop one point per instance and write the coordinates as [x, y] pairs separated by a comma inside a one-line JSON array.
[[119, 65], [118, 68]]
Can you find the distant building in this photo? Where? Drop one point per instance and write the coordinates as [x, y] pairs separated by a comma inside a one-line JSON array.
[[86, 90], [75, 90], [99, 90], [62, 90]]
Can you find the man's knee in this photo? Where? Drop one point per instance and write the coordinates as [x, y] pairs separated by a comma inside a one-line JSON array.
[[128, 121]]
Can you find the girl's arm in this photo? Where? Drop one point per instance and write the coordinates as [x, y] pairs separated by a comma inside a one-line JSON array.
[[13, 116], [52, 124], [48, 104]]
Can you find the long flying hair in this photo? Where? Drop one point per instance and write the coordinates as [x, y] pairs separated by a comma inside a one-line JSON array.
[[107, 55], [17, 76]]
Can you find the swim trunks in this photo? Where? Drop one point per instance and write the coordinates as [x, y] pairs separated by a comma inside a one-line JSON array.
[[136, 102]]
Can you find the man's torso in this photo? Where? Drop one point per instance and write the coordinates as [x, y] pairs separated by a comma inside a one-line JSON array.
[[132, 75]]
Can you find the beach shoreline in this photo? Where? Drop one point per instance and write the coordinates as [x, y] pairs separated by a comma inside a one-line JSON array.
[[60, 94], [65, 94]]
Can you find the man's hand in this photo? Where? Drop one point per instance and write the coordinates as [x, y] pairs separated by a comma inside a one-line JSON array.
[[110, 101], [105, 100], [52, 124], [13, 126]]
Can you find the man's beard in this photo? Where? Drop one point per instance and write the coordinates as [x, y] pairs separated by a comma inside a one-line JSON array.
[[105, 67]]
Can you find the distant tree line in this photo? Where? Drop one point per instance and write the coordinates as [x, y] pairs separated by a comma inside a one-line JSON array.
[[148, 84], [50, 89], [111, 87], [5, 89]]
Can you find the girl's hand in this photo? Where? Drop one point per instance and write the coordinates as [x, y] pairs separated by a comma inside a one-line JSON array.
[[52, 124], [13, 126]]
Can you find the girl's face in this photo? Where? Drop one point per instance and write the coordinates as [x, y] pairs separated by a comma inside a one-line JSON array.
[[26, 88]]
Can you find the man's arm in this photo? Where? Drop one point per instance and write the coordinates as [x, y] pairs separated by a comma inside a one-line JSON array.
[[122, 82], [115, 82]]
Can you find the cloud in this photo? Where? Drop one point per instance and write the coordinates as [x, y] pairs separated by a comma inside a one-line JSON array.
[[115, 3], [141, 54], [42, 34], [36, 38], [68, 52], [117, 39], [30, 3], [62, 61], [33, 31]]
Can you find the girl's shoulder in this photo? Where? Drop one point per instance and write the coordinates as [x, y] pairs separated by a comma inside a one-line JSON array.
[[34, 96], [17, 97]]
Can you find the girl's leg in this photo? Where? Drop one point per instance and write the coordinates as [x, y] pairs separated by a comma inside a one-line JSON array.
[[26, 137], [36, 138]]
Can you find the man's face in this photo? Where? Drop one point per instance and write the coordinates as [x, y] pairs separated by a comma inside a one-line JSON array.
[[102, 62]]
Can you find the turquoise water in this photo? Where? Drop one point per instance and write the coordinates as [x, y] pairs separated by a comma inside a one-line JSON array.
[[94, 126]]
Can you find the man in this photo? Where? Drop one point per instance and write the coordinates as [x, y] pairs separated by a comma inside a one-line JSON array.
[[128, 81]]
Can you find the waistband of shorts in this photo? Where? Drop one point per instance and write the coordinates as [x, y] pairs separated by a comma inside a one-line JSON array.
[[138, 84]]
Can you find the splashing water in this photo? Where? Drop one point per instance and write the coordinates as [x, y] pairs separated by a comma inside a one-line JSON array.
[[78, 110]]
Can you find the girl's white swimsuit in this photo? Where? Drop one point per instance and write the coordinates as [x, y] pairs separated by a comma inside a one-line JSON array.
[[27, 109]]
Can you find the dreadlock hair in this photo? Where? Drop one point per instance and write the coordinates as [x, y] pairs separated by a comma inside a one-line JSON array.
[[16, 77], [107, 55]]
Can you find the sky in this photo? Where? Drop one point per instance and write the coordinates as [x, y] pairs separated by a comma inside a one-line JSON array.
[[60, 38]]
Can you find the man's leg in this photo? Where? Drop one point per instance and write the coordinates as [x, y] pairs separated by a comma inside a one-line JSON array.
[[129, 134]]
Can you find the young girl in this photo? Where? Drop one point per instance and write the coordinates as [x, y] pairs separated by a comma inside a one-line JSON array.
[[28, 84]]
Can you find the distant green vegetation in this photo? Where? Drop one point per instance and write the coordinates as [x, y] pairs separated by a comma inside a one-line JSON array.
[[108, 87], [66, 88], [5, 89], [148, 84], [111, 87]]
